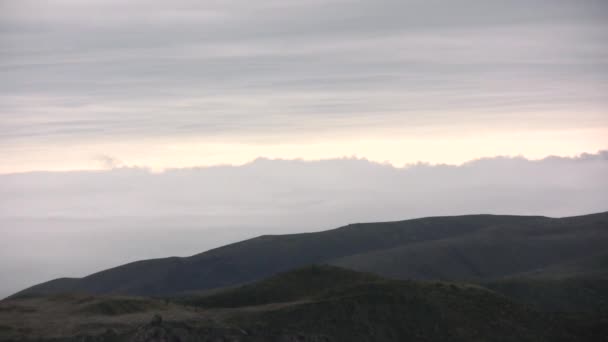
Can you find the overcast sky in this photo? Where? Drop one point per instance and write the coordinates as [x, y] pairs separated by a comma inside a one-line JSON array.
[[171, 127], [166, 84]]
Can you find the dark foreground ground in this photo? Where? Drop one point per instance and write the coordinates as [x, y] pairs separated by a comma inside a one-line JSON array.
[[314, 303]]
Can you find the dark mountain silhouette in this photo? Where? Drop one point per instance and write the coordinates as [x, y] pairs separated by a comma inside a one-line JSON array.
[[479, 248]]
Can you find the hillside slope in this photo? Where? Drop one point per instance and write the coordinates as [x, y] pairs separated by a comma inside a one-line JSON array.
[[479, 247], [315, 303], [498, 251]]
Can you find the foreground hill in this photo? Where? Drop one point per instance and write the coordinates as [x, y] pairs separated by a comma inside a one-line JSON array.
[[480, 248], [315, 303]]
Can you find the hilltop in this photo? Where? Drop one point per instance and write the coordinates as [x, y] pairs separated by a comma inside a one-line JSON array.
[[474, 248]]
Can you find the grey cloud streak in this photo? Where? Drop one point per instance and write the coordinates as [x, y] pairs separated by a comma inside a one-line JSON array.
[[235, 68]]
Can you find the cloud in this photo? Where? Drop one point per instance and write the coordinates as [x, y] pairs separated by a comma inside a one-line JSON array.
[[108, 162], [234, 69], [270, 190], [74, 223]]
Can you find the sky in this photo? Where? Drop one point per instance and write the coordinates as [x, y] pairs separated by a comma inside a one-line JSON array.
[[144, 128], [90, 84]]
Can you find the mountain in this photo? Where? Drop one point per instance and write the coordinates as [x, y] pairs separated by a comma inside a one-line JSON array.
[[310, 304], [504, 249], [479, 248]]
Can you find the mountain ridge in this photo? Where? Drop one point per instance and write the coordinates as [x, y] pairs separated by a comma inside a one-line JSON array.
[[263, 256]]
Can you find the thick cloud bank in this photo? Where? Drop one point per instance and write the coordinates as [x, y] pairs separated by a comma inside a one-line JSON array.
[[74, 223]]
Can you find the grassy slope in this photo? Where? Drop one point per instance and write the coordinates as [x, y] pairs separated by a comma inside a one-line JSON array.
[[574, 286], [498, 251], [577, 294], [317, 303], [69, 315], [301, 284], [352, 306]]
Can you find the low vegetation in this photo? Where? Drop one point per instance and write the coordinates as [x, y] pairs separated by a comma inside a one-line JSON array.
[[314, 303]]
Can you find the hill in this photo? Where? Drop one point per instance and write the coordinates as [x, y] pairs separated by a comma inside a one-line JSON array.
[[479, 248], [300, 284], [315, 303], [501, 250]]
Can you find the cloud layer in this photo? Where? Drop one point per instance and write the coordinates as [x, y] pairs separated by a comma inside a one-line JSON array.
[[74, 75], [74, 223]]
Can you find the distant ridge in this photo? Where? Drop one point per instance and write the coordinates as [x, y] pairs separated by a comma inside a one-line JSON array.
[[478, 248]]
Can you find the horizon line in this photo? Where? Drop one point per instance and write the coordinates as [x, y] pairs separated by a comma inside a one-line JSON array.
[[119, 165]]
